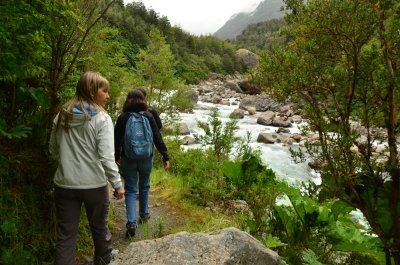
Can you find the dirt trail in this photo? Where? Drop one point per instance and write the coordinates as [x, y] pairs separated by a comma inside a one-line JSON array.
[[164, 220]]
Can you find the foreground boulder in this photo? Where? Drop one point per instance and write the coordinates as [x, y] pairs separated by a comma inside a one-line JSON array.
[[229, 246]]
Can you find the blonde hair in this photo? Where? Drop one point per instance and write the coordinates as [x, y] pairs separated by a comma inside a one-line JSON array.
[[86, 89]]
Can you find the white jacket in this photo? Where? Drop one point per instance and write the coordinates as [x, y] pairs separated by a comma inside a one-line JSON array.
[[85, 153]]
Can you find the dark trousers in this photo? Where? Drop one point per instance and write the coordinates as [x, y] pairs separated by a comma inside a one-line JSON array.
[[68, 204]]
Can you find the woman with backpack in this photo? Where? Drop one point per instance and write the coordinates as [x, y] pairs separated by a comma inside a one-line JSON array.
[[135, 133]]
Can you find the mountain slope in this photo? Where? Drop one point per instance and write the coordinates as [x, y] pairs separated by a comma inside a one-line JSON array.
[[266, 10]]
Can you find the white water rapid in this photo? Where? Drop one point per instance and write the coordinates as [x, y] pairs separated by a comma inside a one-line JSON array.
[[275, 156]]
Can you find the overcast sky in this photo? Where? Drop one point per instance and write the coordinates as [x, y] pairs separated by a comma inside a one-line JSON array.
[[199, 16]]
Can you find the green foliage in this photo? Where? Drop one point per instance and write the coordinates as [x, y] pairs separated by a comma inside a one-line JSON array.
[[156, 65], [180, 100], [19, 131], [251, 181], [22, 43], [195, 56], [192, 68], [303, 222], [341, 66], [16, 256], [344, 237], [44, 48], [310, 258], [200, 172], [221, 138], [273, 242], [156, 68], [304, 230], [262, 35], [107, 56]]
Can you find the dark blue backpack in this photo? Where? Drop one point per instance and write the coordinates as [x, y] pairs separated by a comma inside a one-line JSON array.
[[138, 138]]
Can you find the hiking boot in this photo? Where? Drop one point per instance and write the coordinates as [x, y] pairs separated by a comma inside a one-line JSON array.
[[144, 220], [130, 229]]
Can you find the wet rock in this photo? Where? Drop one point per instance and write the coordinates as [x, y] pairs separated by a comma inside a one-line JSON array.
[[267, 138], [228, 246], [248, 58], [188, 140], [266, 118], [237, 114]]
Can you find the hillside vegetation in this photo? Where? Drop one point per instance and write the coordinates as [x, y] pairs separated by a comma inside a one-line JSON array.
[[262, 36], [338, 61], [266, 10], [45, 46]]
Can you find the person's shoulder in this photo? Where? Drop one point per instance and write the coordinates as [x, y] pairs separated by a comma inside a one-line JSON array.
[[148, 114], [152, 110], [102, 116]]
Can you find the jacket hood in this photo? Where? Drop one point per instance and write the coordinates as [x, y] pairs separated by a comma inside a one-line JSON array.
[[77, 116]]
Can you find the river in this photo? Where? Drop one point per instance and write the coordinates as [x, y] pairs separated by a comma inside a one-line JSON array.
[[275, 156]]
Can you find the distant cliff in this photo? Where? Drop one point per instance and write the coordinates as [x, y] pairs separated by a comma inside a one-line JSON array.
[[266, 10]]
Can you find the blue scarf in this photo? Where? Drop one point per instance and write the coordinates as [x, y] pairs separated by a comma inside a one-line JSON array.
[[78, 110]]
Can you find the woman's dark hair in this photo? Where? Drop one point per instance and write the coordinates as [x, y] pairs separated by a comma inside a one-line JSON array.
[[135, 102], [143, 91]]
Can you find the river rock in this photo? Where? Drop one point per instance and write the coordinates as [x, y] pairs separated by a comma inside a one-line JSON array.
[[182, 128], [228, 246], [237, 114], [267, 138], [239, 206], [233, 86], [261, 102], [249, 88], [281, 122], [266, 118], [282, 130], [315, 164], [248, 58], [251, 110], [188, 140], [297, 137]]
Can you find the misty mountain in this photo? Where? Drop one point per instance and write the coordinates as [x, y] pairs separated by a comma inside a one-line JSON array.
[[266, 10]]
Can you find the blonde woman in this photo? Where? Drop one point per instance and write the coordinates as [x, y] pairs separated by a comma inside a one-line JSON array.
[[82, 141]]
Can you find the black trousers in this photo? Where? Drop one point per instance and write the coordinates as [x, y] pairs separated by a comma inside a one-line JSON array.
[[68, 204]]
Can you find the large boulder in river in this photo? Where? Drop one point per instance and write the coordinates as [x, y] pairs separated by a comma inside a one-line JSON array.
[[237, 114], [261, 102], [248, 58], [180, 128], [281, 122], [249, 88], [266, 118], [234, 86], [267, 138], [229, 246]]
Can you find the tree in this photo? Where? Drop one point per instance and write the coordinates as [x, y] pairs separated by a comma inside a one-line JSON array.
[[342, 68], [23, 51], [156, 68], [69, 29]]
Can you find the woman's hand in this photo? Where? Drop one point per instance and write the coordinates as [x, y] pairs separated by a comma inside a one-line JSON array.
[[119, 193], [166, 165]]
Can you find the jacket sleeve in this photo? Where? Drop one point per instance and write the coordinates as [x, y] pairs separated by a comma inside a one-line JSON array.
[[53, 145], [119, 132], [157, 138], [105, 147], [156, 117]]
